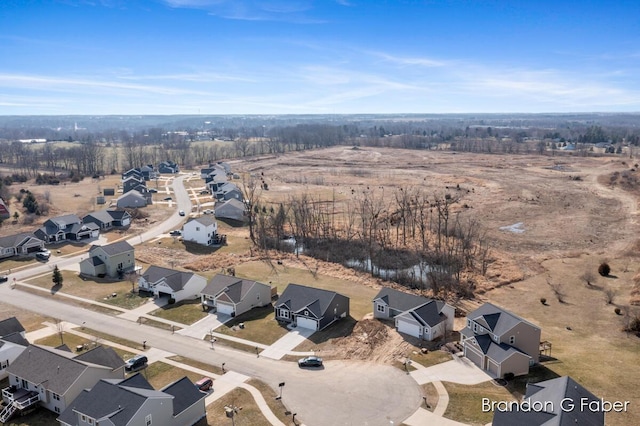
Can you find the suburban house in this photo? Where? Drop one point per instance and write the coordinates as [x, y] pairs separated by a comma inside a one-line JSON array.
[[132, 173], [234, 296], [107, 219], [214, 182], [550, 403], [133, 401], [168, 167], [309, 307], [4, 210], [68, 227], [177, 285], [148, 172], [500, 342], [131, 183], [231, 209], [53, 378], [214, 168], [228, 191], [19, 244], [113, 260], [416, 316], [201, 230], [12, 343], [132, 199]]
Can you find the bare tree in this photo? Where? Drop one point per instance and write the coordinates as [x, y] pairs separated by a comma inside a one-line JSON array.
[[588, 277], [609, 295], [558, 291], [59, 327]]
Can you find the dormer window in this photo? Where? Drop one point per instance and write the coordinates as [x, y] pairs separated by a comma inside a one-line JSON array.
[[306, 313]]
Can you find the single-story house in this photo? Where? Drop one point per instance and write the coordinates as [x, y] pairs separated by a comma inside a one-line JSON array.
[[499, 341], [12, 343], [113, 260], [4, 210], [178, 285], [133, 402], [107, 219], [68, 227], [53, 378], [549, 403], [309, 307], [132, 199], [227, 191], [234, 296], [19, 244], [201, 230], [231, 209], [414, 315]]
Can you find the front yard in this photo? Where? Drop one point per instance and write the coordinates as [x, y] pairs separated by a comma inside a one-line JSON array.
[[184, 312], [259, 326], [248, 413], [160, 374], [465, 401]]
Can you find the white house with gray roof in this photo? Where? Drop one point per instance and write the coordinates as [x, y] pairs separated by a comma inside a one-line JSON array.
[[67, 227], [234, 296], [231, 209], [12, 343], [111, 260], [178, 285], [53, 378], [309, 307], [201, 230], [499, 341], [414, 315], [133, 402], [19, 244], [551, 399], [108, 219]]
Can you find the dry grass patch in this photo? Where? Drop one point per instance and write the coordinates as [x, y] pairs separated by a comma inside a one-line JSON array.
[[197, 364], [160, 374], [248, 413], [158, 324], [465, 402], [277, 406], [430, 358], [111, 338], [259, 326], [183, 312], [16, 263], [72, 302], [431, 394]]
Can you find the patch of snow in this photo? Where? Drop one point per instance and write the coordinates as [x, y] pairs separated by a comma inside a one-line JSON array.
[[517, 228]]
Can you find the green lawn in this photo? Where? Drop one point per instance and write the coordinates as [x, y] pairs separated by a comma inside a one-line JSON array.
[[465, 401], [184, 312], [259, 326], [360, 296]]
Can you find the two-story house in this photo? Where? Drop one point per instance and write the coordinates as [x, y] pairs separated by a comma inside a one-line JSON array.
[[134, 402], [113, 260], [12, 343], [201, 230], [53, 378], [500, 342], [178, 285]]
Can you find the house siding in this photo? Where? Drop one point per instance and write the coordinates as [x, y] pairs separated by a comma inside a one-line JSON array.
[[259, 295], [518, 364], [340, 304], [377, 314], [527, 339]]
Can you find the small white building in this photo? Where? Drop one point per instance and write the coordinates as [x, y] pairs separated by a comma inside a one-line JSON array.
[[201, 230]]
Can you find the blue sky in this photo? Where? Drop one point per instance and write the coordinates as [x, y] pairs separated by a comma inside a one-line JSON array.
[[318, 56]]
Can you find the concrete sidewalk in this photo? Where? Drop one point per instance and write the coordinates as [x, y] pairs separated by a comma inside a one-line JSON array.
[[425, 417], [150, 306], [459, 370], [287, 343], [203, 327]]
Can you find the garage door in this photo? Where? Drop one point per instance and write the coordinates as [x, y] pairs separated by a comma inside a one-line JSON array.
[[307, 323], [408, 328], [493, 368], [473, 356], [225, 308]]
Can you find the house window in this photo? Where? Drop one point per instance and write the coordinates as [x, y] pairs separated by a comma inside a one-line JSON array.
[[284, 313], [90, 420], [475, 327], [469, 323], [119, 265], [25, 384], [380, 308], [83, 417], [512, 340], [495, 337], [147, 420], [306, 313], [55, 396], [57, 409], [197, 228], [5, 364]]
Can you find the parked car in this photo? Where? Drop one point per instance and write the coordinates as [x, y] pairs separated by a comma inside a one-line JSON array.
[[208, 212], [181, 213], [168, 199], [203, 192], [136, 363], [43, 256], [153, 190], [205, 384], [44, 250], [175, 232], [4, 278], [310, 361]]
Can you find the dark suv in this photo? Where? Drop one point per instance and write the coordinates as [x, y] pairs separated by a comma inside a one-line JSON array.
[[136, 363]]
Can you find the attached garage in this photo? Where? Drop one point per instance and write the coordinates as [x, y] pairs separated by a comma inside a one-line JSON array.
[[225, 308], [408, 328], [493, 368], [473, 356], [309, 323]]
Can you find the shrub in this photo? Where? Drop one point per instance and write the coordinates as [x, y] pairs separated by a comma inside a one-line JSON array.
[[617, 311], [604, 269], [543, 300], [509, 376]]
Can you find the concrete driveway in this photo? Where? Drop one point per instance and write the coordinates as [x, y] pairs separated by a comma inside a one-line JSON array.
[[287, 343], [459, 370], [201, 328]]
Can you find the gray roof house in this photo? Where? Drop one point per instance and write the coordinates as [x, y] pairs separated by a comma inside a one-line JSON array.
[[68, 227], [168, 167], [558, 402], [12, 343], [113, 260], [500, 342], [310, 308], [227, 191], [133, 401], [107, 219], [231, 209], [213, 168], [234, 296], [201, 230], [416, 316], [132, 199], [19, 244], [131, 182], [178, 285], [132, 172], [53, 378]]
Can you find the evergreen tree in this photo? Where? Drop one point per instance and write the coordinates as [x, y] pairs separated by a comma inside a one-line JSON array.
[[57, 277]]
